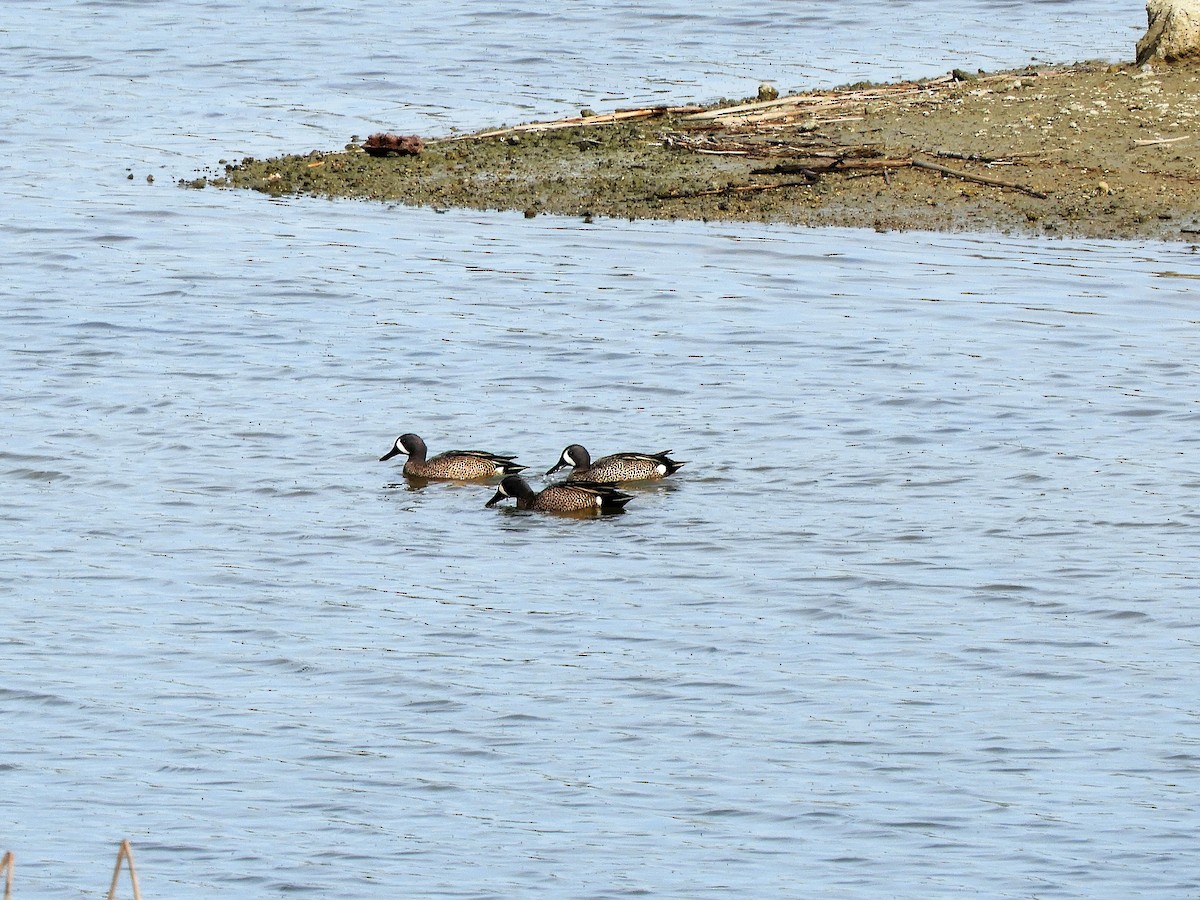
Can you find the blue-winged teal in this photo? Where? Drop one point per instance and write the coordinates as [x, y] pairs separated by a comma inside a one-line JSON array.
[[455, 465], [617, 467], [565, 497]]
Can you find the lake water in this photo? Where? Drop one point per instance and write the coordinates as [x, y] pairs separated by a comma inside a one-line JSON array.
[[917, 619]]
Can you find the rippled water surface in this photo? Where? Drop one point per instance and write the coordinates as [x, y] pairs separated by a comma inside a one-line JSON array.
[[916, 619]]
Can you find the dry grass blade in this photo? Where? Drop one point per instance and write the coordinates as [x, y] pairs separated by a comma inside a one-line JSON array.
[[1155, 141], [6, 866], [125, 854]]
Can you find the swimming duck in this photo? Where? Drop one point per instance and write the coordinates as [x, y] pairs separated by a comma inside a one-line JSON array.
[[565, 497], [456, 465], [617, 467]]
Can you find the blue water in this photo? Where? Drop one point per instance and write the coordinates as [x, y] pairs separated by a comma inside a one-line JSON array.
[[917, 618]]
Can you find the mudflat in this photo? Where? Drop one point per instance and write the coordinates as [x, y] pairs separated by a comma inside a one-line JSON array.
[[1083, 150]]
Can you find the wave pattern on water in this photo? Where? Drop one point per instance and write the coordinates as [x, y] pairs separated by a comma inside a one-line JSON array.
[[924, 586]]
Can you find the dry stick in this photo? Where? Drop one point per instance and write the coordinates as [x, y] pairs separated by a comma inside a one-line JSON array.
[[812, 104], [886, 165], [1006, 159], [820, 165], [905, 93], [574, 122], [732, 189], [829, 98], [125, 853], [6, 865], [902, 92], [844, 162], [981, 179]]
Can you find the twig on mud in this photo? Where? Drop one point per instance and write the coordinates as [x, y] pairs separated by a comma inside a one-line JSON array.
[[819, 104], [621, 115], [731, 189], [1006, 159], [799, 104], [1154, 141], [814, 163], [820, 163], [981, 179]]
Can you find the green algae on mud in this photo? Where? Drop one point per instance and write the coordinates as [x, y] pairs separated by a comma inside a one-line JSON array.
[[1088, 150], [615, 171]]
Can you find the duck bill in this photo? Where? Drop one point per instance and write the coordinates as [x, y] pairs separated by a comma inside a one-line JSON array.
[[496, 499], [558, 465], [390, 454]]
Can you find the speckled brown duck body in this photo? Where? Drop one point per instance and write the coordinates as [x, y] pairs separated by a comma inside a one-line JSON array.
[[453, 465], [565, 497], [615, 468]]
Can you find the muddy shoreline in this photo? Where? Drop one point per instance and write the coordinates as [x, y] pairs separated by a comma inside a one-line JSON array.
[[1085, 150]]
